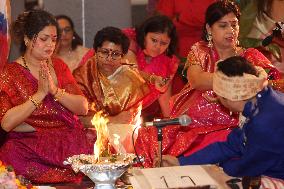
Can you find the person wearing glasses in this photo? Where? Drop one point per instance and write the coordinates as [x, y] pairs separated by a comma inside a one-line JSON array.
[[109, 86], [70, 48]]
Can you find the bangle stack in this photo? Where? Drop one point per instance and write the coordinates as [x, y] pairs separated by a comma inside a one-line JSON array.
[[36, 104], [57, 97]]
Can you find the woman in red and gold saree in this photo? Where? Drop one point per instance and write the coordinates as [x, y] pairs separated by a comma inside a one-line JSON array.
[[211, 121], [58, 133], [38, 100], [109, 86]]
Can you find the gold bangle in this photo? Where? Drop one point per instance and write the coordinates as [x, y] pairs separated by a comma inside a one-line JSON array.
[[152, 79], [36, 104], [60, 95], [56, 91]]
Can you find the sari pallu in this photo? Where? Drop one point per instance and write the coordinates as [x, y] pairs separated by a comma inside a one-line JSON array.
[[211, 122], [39, 155], [121, 91]]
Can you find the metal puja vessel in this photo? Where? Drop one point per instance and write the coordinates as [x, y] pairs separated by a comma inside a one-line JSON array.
[[104, 172]]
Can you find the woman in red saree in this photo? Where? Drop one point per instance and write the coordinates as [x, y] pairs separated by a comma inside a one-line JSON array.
[[211, 122], [38, 100]]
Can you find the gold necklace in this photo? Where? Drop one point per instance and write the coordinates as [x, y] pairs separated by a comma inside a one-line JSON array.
[[25, 63]]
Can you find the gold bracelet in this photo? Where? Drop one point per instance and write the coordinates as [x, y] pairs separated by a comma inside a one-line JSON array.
[[36, 104], [151, 78], [56, 91], [60, 95]]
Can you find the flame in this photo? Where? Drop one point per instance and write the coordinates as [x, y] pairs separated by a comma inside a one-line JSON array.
[[101, 144], [137, 121]]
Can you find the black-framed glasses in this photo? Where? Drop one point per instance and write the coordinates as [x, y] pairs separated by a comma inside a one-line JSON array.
[[105, 53]]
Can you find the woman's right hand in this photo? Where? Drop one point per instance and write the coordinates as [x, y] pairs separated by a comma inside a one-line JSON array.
[[168, 161], [161, 84]]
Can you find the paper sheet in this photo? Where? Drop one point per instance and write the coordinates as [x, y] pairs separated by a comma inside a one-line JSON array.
[[177, 177]]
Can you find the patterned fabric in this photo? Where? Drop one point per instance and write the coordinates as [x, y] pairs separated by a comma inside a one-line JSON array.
[[120, 92], [87, 56], [271, 183], [239, 88], [211, 122], [39, 155]]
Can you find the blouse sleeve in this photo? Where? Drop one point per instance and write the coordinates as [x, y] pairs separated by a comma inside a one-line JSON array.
[[192, 59], [65, 78]]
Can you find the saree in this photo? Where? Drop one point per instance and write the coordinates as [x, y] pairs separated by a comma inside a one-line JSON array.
[[86, 57], [211, 122], [121, 91], [39, 155]]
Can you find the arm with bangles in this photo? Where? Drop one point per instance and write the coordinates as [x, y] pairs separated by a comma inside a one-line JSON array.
[[17, 115], [197, 77], [77, 104]]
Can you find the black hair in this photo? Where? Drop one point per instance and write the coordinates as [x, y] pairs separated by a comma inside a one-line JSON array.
[[160, 24], [111, 34], [236, 66], [218, 10], [77, 40], [30, 24]]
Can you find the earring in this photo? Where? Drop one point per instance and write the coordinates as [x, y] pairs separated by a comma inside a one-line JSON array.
[[237, 42], [209, 39], [73, 37]]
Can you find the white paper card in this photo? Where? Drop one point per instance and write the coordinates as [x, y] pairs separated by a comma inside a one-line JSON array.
[[175, 177]]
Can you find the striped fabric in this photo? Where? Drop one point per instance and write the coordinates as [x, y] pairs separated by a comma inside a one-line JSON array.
[[271, 183]]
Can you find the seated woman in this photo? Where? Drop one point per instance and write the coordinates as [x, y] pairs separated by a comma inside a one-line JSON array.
[[211, 122], [109, 86], [39, 105], [246, 152], [152, 48], [70, 48]]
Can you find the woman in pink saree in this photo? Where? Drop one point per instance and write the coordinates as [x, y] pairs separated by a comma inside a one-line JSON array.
[[38, 100], [211, 121], [152, 48]]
